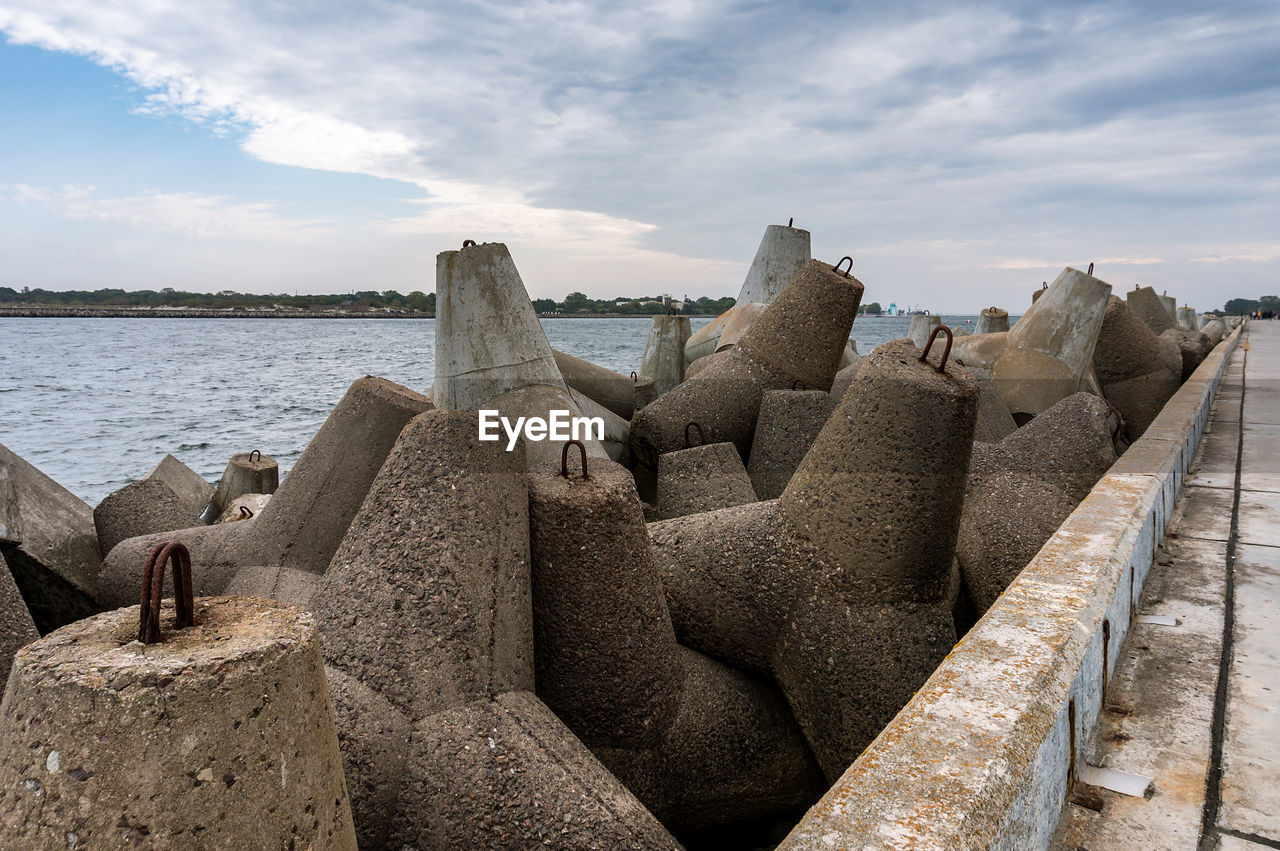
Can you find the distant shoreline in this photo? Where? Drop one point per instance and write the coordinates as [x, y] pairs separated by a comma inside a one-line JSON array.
[[200, 313]]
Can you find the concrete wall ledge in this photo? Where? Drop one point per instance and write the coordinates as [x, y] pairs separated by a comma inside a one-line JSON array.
[[981, 756]]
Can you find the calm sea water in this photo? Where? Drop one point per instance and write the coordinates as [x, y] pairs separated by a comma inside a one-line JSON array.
[[95, 403]]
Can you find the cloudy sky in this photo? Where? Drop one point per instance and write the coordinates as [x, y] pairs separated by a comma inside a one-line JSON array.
[[961, 153]]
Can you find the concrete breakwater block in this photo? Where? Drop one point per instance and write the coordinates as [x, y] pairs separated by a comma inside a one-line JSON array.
[[605, 651], [991, 320], [788, 424], [191, 488], [832, 570], [48, 539], [488, 337], [126, 739], [663, 360], [782, 251], [1193, 347], [246, 472], [701, 478], [16, 626], [426, 609], [613, 390], [922, 325], [1215, 329], [739, 322], [144, 507], [1134, 369], [302, 525], [1171, 305], [1148, 307], [1049, 350], [995, 423], [702, 342], [244, 507], [539, 400], [801, 337], [979, 352], [1187, 319]]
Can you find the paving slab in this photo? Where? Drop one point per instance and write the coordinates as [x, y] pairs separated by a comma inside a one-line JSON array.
[[1203, 513]]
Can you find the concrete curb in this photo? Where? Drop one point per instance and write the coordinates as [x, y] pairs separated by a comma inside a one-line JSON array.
[[982, 754]]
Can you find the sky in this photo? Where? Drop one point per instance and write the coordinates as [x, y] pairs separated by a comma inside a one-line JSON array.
[[961, 153]]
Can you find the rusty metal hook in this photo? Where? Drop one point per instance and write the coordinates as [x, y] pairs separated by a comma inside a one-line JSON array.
[[702, 437], [798, 384], [467, 243], [564, 458], [153, 590], [946, 353], [1090, 272], [791, 221], [836, 268], [246, 512], [257, 452], [671, 311], [1115, 432], [634, 378]]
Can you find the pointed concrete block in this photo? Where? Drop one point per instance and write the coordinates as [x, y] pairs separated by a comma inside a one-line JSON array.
[[702, 478], [143, 507], [991, 320], [1150, 308], [1187, 319], [663, 360], [922, 325], [613, 390], [189, 485], [17, 629], [744, 314], [783, 250], [1132, 366]]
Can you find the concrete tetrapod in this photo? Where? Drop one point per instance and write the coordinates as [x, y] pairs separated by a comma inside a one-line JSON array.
[[802, 336], [1049, 350], [1148, 307], [1215, 329], [739, 322], [246, 472], [788, 424], [783, 250], [840, 384], [829, 588], [189, 485], [701, 478], [143, 507], [129, 741], [991, 320], [1171, 305], [702, 342], [612, 389], [299, 529], [1136, 376], [922, 325], [1193, 347], [16, 626], [663, 361], [980, 352], [48, 539], [1187, 319], [426, 607]]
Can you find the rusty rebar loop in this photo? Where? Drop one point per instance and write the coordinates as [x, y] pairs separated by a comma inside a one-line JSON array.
[[702, 437], [564, 458], [836, 268], [1111, 409], [1090, 272], [467, 243], [153, 590], [246, 512], [257, 452], [791, 221], [946, 353], [798, 384], [634, 378], [671, 311]]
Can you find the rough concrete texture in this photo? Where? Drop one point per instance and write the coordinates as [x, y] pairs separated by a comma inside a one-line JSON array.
[[1171, 306], [16, 626], [788, 423], [733, 754], [663, 361], [1193, 347], [426, 600], [617, 431], [47, 538], [1050, 348], [244, 507], [703, 341], [246, 472], [306, 518], [1215, 330], [840, 384], [488, 337], [701, 478], [922, 326], [605, 651], [995, 423], [111, 743], [643, 392], [189, 485], [979, 352], [1187, 319], [1145, 304], [992, 320], [611, 389], [801, 336], [538, 400], [141, 508], [696, 368], [744, 316], [792, 586], [960, 332], [782, 251], [1004, 524], [1132, 367]]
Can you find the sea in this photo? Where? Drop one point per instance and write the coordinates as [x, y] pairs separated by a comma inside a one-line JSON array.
[[95, 403]]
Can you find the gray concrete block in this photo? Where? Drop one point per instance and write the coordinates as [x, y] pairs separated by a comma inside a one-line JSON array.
[[144, 507]]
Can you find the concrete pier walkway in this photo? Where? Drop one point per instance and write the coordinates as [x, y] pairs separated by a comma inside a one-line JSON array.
[[1190, 726]]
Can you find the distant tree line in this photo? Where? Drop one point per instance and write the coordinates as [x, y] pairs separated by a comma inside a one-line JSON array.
[[222, 300], [1237, 306], [872, 309], [576, 302]]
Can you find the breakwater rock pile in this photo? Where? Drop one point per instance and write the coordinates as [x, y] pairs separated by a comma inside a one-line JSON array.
[[676, 627]]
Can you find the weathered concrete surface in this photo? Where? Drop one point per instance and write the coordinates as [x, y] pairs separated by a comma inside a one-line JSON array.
[[979, 352], [614, 390], [1050, 348], [980, 756], [783, 250], [306, 518], [992, 320], [922, 326], [244, 507], [801, 337], [1187, 319], [663, 360], [143, 507], [744, 315], [701, 478], [538, 400], [16, 626], [1135, 375], [48, 539], [788, 424], [246, 472], [995, 423], [125, 739], [1150, 309], [694, 369], [702, 342], [189, 485], [1192, 348], [1171, 305], [488, 338]]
